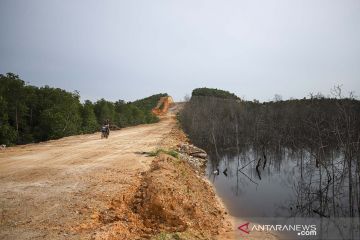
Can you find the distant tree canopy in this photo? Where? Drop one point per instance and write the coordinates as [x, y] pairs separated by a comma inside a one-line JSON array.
[[146, 104], [31, 114], [213, 92]]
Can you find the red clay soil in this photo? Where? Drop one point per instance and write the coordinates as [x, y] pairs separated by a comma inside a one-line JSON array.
[[163, 106], [171, 202]]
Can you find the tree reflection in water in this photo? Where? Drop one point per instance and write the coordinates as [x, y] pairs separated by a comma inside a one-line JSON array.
[[288, 184]]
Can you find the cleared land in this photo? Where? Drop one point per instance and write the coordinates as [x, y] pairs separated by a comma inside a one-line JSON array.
[[47, 189]]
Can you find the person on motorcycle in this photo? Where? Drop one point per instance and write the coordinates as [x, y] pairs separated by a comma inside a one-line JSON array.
[[105, 129]]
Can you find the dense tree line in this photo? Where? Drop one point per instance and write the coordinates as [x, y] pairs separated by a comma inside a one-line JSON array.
[[31, 114], [317, 125], [213, 92]]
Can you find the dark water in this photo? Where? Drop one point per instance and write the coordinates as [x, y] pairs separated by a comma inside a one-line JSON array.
[[289, 189], [290, 185]]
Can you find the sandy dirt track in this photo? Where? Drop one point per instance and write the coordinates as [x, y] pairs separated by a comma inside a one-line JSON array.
[[48, 189]]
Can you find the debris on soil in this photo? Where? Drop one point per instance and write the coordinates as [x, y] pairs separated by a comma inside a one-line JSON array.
[[197, 157], [192, 150], [178, 141]]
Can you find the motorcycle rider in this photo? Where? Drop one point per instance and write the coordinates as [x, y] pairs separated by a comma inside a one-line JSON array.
[[105, 130]]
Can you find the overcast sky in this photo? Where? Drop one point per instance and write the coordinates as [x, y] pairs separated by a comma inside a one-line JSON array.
[[132, 49]]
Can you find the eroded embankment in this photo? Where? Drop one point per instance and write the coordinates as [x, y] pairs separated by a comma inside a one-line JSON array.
[[171, 201]]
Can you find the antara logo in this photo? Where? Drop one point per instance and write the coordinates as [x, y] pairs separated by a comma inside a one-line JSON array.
[[302, 230], [244, 228]]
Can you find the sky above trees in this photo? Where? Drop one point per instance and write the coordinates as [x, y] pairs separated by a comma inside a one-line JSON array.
[[131, 49]]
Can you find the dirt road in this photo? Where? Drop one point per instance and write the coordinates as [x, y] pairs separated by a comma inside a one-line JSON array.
[[48, 190]]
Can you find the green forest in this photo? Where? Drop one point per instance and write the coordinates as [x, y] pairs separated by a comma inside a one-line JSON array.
[[213, 92], [31, 114]]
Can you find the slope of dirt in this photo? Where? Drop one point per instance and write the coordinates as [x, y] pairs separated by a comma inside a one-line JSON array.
[[163, 105], [171, 201], [84, 187]]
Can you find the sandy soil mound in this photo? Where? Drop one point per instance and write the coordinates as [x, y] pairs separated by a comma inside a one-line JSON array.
[[171, 201], [174, 199]]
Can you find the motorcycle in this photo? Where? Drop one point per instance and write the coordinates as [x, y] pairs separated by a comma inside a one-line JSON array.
[[105, 131]]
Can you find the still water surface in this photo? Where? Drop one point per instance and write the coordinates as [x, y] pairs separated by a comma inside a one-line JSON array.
[[278, 190]]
